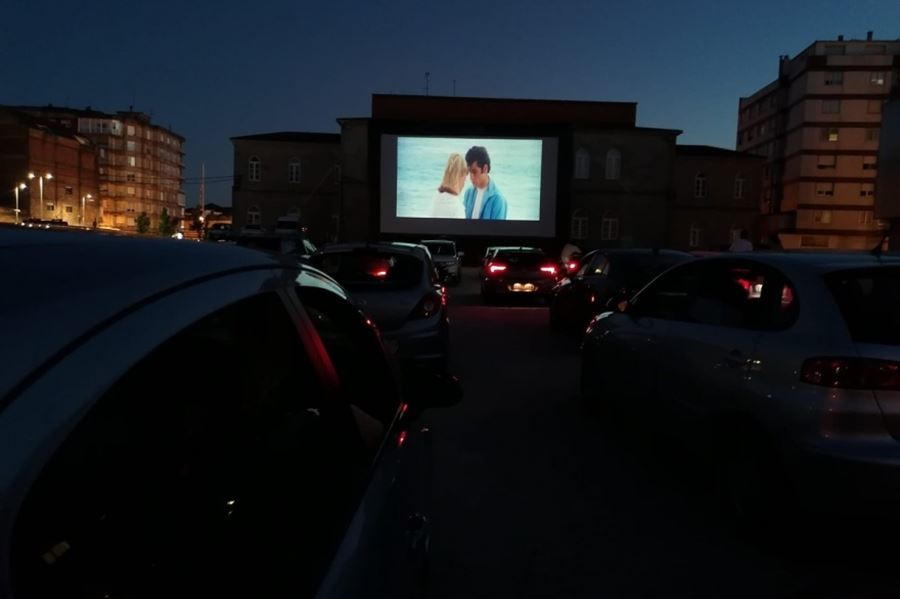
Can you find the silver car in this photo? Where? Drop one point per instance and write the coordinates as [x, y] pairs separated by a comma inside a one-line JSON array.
[[785, 368], [446, 258], [398, 286]]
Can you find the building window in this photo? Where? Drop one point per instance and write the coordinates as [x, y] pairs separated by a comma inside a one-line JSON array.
[[830, 135], [613, 164], [831, 106], [878, 78], [254, 169], [866, 190], [69, 209], [739, 188], [130, 146], [865, 217], [822, 217], [834, 50], [294, 171], [130, 177], [132, 161], [700, 188], [874, 107], [870, 163], [826, 162], [69, 190], [695, 236], [825, 189], [253, 215], [834, 78], [582, 164], [102, 152], [579, 225], [609, 228], [872, 134], [130, 191], [131, 130]]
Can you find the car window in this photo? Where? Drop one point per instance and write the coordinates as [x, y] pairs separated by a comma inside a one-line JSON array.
[[521, 259], [441, 249], [368, 269], [218, 466], [868, 300], [721, 293], [597, 266], [633, 272]]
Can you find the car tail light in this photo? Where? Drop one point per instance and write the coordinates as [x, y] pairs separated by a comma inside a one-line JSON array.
[[430, 305], [549, 269], [572, 265], [495, 267], [852, 373]]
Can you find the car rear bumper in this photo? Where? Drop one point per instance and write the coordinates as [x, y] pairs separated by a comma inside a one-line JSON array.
[[524, 286], [425, 341]]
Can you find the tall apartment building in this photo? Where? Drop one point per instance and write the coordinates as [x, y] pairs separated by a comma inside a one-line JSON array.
[[140, 165], [818, 127]]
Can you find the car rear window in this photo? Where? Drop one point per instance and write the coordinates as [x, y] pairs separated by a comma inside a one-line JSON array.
[[522, 259], [441, 249], [868, 300], [371, 268]]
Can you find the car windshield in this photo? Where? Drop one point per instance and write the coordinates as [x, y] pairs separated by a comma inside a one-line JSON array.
[[441, 248], [371, 269], [869, 301]]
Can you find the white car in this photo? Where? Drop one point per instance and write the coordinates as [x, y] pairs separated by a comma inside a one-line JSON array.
[[784, 368]]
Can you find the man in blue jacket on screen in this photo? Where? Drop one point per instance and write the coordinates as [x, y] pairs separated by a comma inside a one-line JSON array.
[[483, 200]]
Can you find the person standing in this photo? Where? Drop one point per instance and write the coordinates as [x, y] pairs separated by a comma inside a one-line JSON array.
[[483, 200], [743, 243]]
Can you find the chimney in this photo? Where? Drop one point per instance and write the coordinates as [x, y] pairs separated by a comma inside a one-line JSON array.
[[840, 38], [869, 36]]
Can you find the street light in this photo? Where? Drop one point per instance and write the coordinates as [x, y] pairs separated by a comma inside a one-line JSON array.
[[21, 186], [48, 176], [88, 197]]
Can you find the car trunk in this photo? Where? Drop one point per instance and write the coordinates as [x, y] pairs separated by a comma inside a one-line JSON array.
[[389, 309], [524, 267]]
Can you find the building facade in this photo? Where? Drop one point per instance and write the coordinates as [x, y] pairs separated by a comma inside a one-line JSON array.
[[140, 164], [716, 195], [818, 126], [38, 159], [287, 175]]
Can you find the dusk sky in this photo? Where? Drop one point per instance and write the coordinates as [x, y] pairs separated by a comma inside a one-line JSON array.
[[212, 70]]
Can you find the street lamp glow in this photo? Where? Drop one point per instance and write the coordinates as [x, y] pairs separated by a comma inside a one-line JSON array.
[[22, 186], [48, 176], [31, 175]]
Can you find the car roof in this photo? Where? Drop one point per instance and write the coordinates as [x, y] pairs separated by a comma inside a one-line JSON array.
[[412, 249], [520, 250], [438, 241], [644, 252], [58, 285], [819, 261]]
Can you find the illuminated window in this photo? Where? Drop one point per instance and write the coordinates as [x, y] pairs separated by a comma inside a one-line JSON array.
[[739, 187], [130, 191], [294, 170], [878, 78], [822, 217], [609, 228], [132, 161], [130, 130], [700, 186], [613, 164], [254, 170], [830, 135], [695, 236], [582, 164]]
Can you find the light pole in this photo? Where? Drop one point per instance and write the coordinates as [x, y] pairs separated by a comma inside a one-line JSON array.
[[16, 189], [41, 178], [88, 197]]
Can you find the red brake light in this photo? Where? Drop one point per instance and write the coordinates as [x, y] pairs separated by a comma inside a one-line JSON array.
[[380, 273], [851, 373], [572, 265], [550, 269], [495, 267]]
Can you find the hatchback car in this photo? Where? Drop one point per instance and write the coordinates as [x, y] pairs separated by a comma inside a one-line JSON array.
[[518, 271], [446, 259], [784, 367], [397, 285], [200, 420], [605, 276]]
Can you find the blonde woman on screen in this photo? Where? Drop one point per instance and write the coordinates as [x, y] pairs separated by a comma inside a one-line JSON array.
[[448, 201]]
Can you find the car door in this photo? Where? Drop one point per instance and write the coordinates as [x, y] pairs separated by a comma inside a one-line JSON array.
[[218, 465], [708, 352]]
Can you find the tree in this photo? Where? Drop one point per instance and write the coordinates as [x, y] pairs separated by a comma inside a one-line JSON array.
[[142, 222], [166, 224]]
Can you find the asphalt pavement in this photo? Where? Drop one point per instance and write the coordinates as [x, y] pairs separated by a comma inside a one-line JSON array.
[[536, 499]]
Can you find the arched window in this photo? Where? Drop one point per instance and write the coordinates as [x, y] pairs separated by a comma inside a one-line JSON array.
[[739, 187], [294, 170], [254, 216], [609, 228], [582, 164], [254, 169], [579, 225], [695, 236], [613, 164], [700, 189]]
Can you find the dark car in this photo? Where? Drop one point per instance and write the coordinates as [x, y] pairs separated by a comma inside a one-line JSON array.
[[606, 276], [213, 422], [219, 232], [518, 271]]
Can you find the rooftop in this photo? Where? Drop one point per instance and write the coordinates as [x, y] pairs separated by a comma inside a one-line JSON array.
[[701, 150]]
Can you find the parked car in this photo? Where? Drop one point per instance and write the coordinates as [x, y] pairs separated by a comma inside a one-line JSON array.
[[297, 246], [605, 277], [219, 232], [518, 271], [210, 421], [397, 285], [447, 259], [785, 367]]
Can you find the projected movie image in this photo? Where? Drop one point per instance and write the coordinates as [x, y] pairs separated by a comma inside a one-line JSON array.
[[469, 179]]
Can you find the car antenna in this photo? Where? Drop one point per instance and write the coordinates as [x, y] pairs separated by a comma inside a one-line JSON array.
[[878, 250]]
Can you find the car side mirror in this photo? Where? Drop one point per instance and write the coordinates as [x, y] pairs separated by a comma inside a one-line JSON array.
[[426, 387]]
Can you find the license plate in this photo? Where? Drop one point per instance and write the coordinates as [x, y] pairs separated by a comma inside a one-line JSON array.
[[522, 287]]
